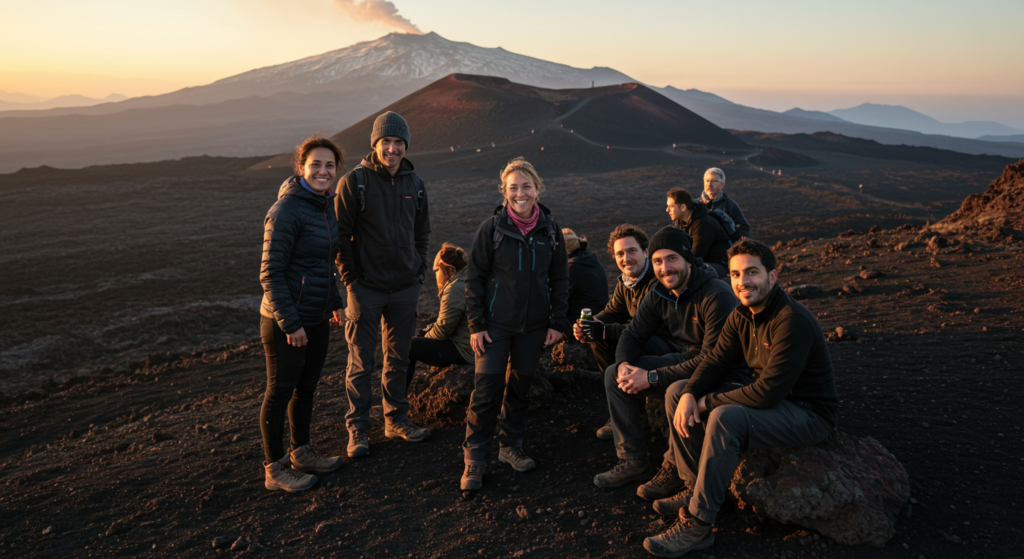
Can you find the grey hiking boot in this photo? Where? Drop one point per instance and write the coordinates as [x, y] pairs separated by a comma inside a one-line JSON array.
[[670, 506], [605, 432], [407, 430], [624, 472], [307, 460], [358, 443], [472, 478], [680, 539], [515, 457], [665, 484], [278, 475]]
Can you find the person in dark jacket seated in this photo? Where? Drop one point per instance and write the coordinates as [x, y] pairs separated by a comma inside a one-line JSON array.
[[710, 241], [300, 303], [791, 403], [588, 282], [715, 198], [694, 304], [516, 291], [628, 246], [446, 341]]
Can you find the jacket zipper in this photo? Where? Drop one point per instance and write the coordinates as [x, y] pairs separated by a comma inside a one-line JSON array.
[[330, 276], [301, 289], [394, 231], [493, 297]]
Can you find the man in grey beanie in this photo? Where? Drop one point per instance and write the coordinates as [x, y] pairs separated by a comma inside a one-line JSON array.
[[384, 224], [693, 304]]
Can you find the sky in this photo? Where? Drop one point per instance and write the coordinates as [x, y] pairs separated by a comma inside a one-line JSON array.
[[952, 60]]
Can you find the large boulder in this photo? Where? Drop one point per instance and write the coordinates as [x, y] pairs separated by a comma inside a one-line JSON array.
[[849, 489], [996, 215]]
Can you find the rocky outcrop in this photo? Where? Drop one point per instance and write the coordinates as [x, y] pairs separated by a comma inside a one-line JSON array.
[[996, 215], [849, 489]]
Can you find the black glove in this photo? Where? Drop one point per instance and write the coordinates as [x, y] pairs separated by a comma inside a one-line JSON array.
[[593, 330]]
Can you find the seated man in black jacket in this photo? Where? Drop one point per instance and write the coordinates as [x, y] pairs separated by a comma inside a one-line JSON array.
[[792, 401], [694, 304], [715, 198], [628, 245], [710, 241], [588, 282]]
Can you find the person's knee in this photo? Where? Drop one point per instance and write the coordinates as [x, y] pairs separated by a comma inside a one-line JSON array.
[[611, 378], [728, 421]]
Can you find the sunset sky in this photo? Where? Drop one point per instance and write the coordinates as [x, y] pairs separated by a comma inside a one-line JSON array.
[[955, 61]]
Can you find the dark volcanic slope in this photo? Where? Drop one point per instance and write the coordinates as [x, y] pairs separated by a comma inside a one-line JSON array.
[[453, 117], [996, 214]]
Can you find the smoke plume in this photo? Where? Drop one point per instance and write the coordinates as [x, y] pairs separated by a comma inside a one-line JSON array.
[[380, 11]]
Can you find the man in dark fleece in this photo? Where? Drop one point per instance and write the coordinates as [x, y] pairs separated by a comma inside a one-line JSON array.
[[384, 227], [715, 198], [791, 403], [588, 282], [694, 304], [710, 241]]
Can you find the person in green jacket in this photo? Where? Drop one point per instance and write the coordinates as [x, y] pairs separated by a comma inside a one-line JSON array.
[[446, 341]]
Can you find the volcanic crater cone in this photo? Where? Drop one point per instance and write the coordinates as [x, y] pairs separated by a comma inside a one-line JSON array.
[[467, 121], [996, 215]]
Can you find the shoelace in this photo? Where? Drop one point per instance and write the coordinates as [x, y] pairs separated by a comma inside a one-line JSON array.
[[360, 436], [664, 475], [316, 456], [289, 472], [622, 465], [474, 469], [676, 530], [517, 453]]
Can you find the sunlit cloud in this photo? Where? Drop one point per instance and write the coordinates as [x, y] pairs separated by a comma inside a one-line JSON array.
[[377, 11]]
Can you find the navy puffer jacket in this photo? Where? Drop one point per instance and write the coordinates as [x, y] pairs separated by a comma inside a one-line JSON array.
[[300, 243]]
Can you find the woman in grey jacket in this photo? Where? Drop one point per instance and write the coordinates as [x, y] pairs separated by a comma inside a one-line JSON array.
[[446, 341], [300, 303]]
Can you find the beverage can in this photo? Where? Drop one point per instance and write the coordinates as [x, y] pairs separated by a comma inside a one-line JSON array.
[[585, 314]]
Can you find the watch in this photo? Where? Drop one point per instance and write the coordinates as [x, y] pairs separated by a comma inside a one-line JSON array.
[[652, 377]]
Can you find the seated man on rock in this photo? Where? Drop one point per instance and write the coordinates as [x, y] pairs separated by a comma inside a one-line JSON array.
[[792, 401], [628, 245], [715, 198], [710, 240], [694, 305]]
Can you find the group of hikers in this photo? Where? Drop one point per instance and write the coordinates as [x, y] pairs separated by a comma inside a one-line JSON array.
[[696, 318]]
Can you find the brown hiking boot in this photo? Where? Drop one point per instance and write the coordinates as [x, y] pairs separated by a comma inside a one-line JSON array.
[[278, 475], [358, 443], [665, 484], [515, 457], [472, 478], [407, 430], [680, 539], [624, 472], [670, 506], [307, 460], [605, 432]]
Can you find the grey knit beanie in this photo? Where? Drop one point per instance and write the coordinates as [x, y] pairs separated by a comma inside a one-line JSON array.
[[389, 124], [672, 238]]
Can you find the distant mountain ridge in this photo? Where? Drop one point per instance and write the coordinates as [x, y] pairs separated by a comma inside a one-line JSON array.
[[54, 103], [896, 116]]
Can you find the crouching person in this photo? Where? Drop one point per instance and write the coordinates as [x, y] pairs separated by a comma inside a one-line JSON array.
[[694, 304], [588, 282], [793, 401]]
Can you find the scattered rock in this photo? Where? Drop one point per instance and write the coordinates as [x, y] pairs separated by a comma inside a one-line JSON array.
[[803, 291], [222, 541], [840, 335], [443, 394], [656, 418], [936, 244], [241, 544], [118, 527], [871, 274], [431, 484], [48, 530], [848, 489], [523, 512]]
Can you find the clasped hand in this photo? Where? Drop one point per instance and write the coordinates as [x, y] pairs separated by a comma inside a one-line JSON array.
[[632, 380]]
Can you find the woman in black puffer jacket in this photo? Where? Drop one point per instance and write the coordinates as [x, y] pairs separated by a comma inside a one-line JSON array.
[[300, 303]]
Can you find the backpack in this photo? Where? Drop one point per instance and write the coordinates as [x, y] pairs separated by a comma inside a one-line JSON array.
[[728, 224], [360, 172]]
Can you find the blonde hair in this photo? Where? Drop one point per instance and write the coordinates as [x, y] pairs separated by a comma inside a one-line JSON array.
[[523, 166]]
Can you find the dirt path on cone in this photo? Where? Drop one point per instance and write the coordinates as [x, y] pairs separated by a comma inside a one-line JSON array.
[[160, 460]]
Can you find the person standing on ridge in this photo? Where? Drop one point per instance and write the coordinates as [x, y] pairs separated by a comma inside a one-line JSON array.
[[516, 301], [715, 198], [384, 226]]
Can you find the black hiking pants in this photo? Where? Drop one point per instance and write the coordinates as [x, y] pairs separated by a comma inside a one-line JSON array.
[[436, 353]]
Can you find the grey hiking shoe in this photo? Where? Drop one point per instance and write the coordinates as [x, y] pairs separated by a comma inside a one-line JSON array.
[[358, 443], [670, 506], [307, 460], [605, 432], [472, 478], [680, 539], [278, 475], [515, 457], [624, 472], [665, 484], [407, 430]]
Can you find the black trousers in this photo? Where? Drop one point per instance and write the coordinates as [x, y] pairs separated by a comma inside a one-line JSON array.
[[292, 376], [436, 353], [604, 350], [503, 377]]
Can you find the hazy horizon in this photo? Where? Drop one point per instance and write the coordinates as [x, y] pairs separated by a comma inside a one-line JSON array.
[[939, 58]]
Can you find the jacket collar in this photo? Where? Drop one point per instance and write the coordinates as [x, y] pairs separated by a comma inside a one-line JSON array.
[[292, 186], [777, 299], [698, 277], [371, 163], [641, 281], [506, 226]]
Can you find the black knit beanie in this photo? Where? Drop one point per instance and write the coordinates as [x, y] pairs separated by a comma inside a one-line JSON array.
[[672, 238], [389, 124]]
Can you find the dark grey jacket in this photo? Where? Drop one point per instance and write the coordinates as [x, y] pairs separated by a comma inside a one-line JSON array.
[[588, 285], [300, 241], [624, 303], [384, 236], [710, 241], [730, 207], [521, 283], [695, 319]]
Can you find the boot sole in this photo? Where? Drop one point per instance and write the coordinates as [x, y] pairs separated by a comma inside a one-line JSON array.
[[695, 547], [275, 487], [359, 452], [645, 476], [521, 470]]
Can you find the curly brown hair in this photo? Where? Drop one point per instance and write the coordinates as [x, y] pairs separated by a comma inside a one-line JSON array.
[[627, 230], [311, 143]]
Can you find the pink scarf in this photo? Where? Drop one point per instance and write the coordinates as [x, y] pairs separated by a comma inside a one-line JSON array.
[[525, 225]]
